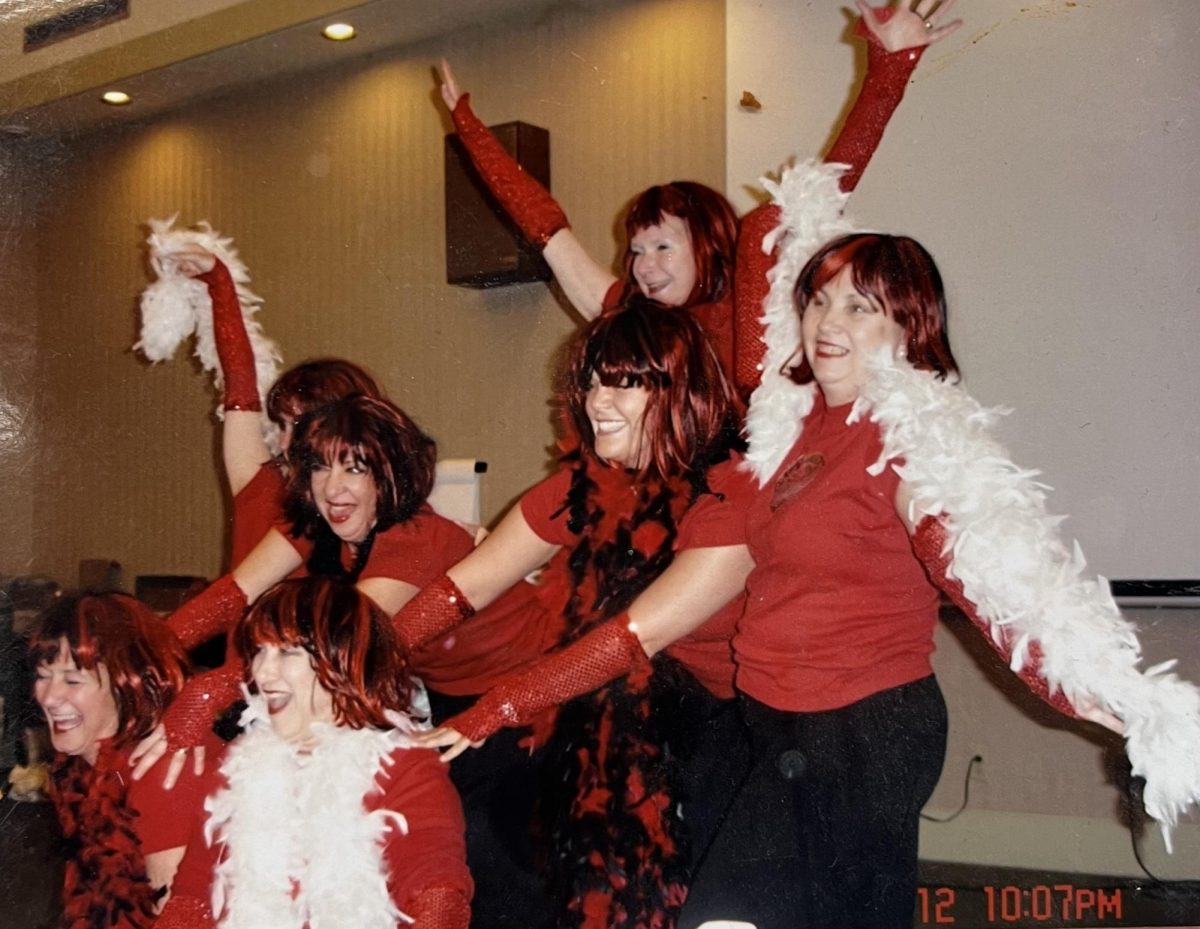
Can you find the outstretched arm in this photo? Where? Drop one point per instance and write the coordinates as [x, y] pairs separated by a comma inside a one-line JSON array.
[[499, 561], [930, 543], [696, 584], [529, 205]]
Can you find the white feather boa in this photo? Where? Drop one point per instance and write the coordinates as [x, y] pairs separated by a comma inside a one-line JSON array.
[[176, 306], [288, 819], [811, 204]]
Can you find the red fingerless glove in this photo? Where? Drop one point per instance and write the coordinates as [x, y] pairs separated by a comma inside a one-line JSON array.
[[526, 201], [190, 717], [437, 609], [882, 90], [209, 613], [602, 655], [929, 544], [233, 345], [440, 907]]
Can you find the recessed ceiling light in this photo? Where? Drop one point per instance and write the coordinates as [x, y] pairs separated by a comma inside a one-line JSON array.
[[338, 32], [116, 97]]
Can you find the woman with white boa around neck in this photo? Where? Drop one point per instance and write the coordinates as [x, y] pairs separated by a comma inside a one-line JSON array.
[[323, 812], [874, 480]]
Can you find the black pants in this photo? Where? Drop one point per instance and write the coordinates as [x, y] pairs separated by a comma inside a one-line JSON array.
[[824, 833], [497, 784]]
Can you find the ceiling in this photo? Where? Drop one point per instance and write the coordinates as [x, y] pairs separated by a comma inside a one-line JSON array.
[[238, 44]]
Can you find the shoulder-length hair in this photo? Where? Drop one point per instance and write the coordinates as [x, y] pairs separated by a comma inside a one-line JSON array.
[[711, 222], [379, 436], [146, 665], [316, 383], [898, 273], [663, 349], [357, 656]]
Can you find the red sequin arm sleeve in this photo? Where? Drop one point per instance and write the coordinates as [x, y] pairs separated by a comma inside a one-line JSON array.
[[526, 201], [605, 653], [211, 612], [233, 345], [189, 718], [929, 544], [440, 908], [435, 610]]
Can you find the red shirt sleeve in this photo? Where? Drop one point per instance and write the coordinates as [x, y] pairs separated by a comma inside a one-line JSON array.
[[719, 518], [433, 852], [419, 551], [256, 508], [612, 296], [543, 507]]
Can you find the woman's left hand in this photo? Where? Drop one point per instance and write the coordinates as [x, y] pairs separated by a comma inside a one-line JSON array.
[[452, 740], [908, 27]]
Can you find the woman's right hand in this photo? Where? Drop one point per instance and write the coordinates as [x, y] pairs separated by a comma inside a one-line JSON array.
[[148, 752], [450, 91], [190, 262]]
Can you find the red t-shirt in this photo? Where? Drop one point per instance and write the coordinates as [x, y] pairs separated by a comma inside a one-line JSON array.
[[499, 640], [711, 521], [838, 606]]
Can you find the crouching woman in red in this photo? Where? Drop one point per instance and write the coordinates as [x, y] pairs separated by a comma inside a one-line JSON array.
[[323, 813], [106, 669]]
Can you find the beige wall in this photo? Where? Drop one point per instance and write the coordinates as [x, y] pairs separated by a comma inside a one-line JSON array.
[[332, 188]]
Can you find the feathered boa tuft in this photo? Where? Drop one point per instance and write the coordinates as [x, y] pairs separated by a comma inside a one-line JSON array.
[[289, 820], [176, 306], [811, 205]]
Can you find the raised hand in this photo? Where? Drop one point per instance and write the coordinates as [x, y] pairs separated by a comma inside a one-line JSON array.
[[907, 27], [450, 91]]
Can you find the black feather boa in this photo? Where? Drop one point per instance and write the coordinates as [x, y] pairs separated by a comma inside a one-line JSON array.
[[105, 884], [619, 845]]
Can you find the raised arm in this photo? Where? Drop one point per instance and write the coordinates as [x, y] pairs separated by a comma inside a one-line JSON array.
[[896, 40], [243, 447], [529, 205], [696, 584]]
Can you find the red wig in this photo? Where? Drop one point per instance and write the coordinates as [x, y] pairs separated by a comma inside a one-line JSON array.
[[355, 651], [314, 384], [663, 349], [379, 436], [711, 222], [146, 665], [901, 276]]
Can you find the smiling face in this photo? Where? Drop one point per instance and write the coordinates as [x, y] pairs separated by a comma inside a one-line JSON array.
[[345, 495], [841, 330], [664, 261], [617, 415], [284, 676], [79, 705]]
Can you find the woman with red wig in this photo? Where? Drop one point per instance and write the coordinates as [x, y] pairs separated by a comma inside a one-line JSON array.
[[323, 812], [106, 670], [682, 237], [878, 484], [252, 447], [645, 746]]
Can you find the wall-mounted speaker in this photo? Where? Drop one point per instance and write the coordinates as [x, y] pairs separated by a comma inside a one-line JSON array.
[[483, 246]]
